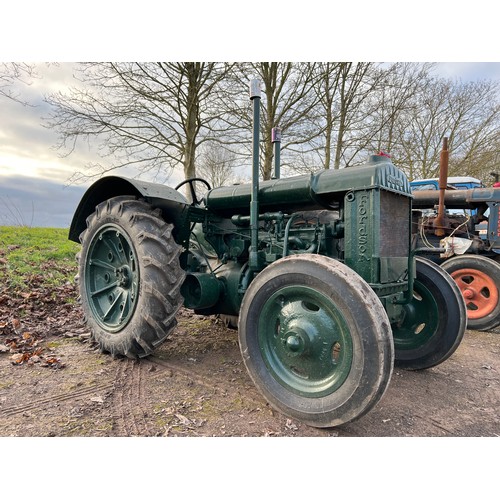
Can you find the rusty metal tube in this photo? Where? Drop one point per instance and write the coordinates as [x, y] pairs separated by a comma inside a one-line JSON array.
[[443, 182]]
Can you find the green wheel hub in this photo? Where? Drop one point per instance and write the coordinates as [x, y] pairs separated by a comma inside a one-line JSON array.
[[305, 341], [112, 278], [420, 320]]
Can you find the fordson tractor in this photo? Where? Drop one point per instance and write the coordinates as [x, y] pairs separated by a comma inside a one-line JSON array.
[[317, 271]]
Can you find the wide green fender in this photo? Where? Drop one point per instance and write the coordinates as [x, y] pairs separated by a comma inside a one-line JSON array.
[[172, 203]]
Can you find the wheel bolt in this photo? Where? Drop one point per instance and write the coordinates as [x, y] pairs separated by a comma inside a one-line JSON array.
[[294, 343]]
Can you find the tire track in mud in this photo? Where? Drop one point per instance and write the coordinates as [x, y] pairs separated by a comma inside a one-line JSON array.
[[128, 392], [129, 397], [37, 403], [251, 394]]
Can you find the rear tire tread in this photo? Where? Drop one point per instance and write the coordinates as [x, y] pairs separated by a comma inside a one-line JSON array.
[[161, 276]]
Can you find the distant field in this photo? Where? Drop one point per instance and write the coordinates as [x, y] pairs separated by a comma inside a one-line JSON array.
[[35, 257]]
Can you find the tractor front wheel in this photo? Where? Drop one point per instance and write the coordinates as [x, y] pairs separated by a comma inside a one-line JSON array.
[[433, 323], [316, 340]]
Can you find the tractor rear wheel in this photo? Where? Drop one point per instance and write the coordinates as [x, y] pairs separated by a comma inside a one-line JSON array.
[[129, 277], [316, 340], [433, 323], [478, 278]]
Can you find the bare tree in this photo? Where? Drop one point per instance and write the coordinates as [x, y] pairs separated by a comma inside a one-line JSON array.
[[327, 88], [475, 136], [468, 114], [10, 74], [158, 117], [216, 164], [345, 91], [287, 102], [398, 85], [152, 116]]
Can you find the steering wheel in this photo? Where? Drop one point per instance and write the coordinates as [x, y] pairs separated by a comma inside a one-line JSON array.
[[191, 182]]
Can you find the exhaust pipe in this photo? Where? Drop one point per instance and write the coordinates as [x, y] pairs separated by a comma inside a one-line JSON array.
[[276, 140], [254, 203]]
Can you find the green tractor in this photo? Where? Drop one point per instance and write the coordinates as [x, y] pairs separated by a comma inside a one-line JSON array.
[[317, 272]]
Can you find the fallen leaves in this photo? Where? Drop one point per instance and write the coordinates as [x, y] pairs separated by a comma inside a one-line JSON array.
[[20, 357], [183, 420], [53, 362], [29, 317], [16, 324], [27, 350]]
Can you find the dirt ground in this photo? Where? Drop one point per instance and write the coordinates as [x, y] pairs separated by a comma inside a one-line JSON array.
[[196, 385]]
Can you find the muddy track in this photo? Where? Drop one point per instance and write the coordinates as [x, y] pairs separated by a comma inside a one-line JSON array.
[[196, 384], [218, 385], [38, 403], [128, 400]]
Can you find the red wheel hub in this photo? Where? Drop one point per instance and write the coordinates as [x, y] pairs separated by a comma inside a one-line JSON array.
[[479, 291]]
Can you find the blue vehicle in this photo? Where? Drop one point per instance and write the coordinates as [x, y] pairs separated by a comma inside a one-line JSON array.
[[453, 183]]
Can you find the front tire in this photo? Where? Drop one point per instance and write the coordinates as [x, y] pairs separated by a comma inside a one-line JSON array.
[[316, 340], [129, 277], [433, 323]]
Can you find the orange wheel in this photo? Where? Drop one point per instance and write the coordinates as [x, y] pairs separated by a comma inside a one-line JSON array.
[[479, 291], [478, 279]]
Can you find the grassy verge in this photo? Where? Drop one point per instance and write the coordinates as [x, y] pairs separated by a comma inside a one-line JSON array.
[[41, 256]]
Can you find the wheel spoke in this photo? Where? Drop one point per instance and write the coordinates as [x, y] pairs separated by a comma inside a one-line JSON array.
[[104, 289], [100, 263], [115, 246], [125, 306], [113, 305]]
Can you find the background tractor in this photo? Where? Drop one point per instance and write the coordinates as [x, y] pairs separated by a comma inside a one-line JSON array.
[[461, 225], [317, 271]]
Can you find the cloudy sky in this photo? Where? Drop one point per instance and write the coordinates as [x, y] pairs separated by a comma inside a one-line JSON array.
[[34, 177]]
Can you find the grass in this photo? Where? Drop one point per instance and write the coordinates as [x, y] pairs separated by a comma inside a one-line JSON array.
[[44, 255]]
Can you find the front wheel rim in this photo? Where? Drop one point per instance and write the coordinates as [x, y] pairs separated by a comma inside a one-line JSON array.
[[305, 341], [112, 278], [420, 320]]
